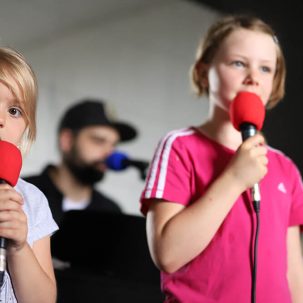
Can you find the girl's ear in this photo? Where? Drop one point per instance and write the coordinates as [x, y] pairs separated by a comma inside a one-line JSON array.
[[202, 69], [66, 140]]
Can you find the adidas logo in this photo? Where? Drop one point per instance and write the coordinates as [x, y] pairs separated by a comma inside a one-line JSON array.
[[281, 187]]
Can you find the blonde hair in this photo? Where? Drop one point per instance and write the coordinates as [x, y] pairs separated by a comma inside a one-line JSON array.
[[208, 48], [19, 77]]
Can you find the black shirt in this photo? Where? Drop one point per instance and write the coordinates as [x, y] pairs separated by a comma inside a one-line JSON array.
[[98, 202]]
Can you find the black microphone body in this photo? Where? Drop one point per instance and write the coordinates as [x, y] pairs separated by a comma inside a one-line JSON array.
[[140, 165], [248, 130]]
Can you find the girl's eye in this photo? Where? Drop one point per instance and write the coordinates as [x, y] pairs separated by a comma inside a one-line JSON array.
[[238, 63], [265, 69], [15, 111]]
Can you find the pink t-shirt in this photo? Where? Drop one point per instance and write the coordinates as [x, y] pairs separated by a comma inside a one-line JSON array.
[[184, 165]]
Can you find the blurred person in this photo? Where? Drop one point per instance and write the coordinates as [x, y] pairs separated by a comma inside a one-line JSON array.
[[86, 137]]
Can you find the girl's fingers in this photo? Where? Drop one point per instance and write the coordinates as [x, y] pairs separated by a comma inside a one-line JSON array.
[[254, 141], [9, 205], [7, 193], [13, 226], [13, 234], [12, 216]]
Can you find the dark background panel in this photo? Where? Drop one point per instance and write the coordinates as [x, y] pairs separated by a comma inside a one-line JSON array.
[[108, 259]]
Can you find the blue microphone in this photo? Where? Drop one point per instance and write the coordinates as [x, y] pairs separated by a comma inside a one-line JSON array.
[[118, 161]]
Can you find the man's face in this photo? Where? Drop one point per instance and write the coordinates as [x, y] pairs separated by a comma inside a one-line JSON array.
[[88, 152]]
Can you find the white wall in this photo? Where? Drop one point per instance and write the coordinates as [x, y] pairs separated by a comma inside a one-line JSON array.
[[139, 62]]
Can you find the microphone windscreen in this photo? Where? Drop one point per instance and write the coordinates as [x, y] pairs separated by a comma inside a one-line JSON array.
[[10, 162], [117, 161], [247, 107]]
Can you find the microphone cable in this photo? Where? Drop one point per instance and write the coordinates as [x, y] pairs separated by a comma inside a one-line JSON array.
[[256, 205]]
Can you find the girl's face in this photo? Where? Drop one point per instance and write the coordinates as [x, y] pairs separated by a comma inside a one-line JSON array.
[[12, 122], [245, 61]]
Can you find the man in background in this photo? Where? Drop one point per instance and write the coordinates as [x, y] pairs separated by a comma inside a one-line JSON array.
[[86, 137]]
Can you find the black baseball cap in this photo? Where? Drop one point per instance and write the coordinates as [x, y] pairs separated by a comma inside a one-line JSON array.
[[90, 112]]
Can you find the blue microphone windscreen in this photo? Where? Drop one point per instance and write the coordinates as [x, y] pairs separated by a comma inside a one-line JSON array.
[[116, 161]]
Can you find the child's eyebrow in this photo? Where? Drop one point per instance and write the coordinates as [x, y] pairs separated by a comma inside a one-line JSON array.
[[268, 61], [15, 102]]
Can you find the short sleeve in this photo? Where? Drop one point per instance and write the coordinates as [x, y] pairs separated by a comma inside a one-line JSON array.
[[44, 223], [39, 216], [169, 173]]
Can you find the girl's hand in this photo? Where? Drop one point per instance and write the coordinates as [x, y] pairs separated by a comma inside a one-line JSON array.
[[249, 165], [13, 221]]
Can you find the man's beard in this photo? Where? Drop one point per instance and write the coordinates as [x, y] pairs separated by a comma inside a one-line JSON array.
[[86, 174]]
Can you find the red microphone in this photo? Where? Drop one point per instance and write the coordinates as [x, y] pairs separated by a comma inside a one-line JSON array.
[[10, 167], [10, 163], [247, 113]]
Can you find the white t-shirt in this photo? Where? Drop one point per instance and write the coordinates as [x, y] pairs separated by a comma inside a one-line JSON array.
[[40, 224], [69, 204]]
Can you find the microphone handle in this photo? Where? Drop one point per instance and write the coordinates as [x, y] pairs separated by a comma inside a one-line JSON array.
[[255, 193], [3, 244], [248, 130]]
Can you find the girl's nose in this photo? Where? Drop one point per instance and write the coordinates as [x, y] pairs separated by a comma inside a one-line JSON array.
[[251, 78]]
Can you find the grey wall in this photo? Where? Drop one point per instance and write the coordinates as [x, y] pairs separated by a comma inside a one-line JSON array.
[[139, 62]]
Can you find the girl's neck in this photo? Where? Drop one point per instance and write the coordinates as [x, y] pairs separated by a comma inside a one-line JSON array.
[[219, 128]]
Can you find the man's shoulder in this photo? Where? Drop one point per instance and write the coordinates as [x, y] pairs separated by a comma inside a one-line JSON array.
[[33, 179], [38, 176]]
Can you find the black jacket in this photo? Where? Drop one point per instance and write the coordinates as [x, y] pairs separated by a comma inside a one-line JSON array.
[[99, 202]]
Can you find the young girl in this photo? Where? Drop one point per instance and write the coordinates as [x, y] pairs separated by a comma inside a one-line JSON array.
[[200, 219], [25, 218]]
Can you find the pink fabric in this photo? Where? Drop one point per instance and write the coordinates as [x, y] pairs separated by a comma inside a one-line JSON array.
[[184, 165]]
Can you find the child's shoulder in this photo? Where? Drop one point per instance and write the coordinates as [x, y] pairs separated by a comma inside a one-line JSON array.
[[29, 191], [178, 139], [180, 135], [279, 158], [180, 132], [277, 154], [25, 186], [191, 141]]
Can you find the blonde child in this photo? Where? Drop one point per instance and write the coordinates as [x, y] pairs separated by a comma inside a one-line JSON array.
[[200, 219], [25, 218]]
